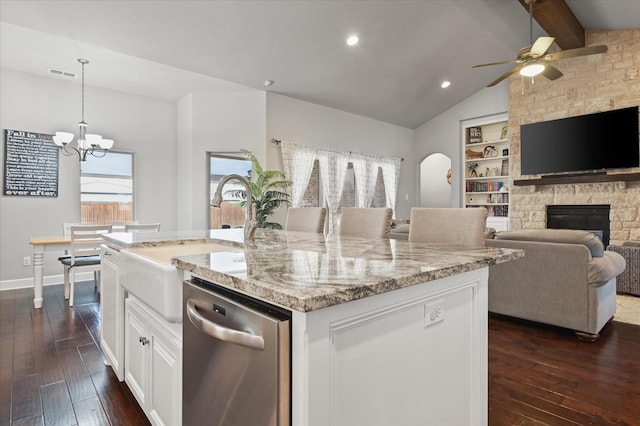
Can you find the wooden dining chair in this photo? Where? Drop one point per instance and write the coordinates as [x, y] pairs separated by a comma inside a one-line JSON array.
[[456, 226], [365, 222], [84, 253], [142, 227], [306, 219]]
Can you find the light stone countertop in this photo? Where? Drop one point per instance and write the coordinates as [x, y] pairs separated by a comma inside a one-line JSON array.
[[305, 271], [230, 237]]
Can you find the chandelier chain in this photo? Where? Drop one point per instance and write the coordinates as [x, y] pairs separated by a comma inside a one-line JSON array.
[[83, 64]]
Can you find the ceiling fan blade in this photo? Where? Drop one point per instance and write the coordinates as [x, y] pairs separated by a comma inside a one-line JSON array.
[[572, 53], [541, 45], [505, 75], [551, 72], [513, 61]]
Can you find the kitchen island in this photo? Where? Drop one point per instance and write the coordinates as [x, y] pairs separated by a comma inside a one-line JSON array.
[[382, 331]]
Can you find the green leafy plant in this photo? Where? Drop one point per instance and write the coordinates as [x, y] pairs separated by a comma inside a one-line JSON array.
[[268, 190]]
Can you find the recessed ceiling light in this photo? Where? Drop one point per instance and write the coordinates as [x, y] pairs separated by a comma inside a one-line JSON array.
[[352, 40], [445, 84], [268, 83]]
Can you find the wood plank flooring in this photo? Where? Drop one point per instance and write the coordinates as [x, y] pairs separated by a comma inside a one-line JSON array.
[[541, 375], [52, 370]]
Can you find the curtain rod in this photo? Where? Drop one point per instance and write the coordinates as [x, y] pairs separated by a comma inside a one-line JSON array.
[[278, 142]]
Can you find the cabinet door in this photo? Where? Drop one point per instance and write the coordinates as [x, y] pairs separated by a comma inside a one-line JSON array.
[[111, 313], [136, 359], [165, 393]]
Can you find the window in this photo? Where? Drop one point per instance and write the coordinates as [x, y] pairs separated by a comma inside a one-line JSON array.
[[106, 188], [229, 213]]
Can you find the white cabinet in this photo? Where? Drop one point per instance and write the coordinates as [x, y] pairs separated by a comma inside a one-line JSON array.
[[414, 356], [486, 165], [112, 311], [153, 363]]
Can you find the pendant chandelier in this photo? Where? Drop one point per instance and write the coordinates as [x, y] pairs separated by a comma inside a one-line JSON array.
[[87, 143]]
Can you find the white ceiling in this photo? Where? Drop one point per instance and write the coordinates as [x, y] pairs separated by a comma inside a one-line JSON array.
[[166, 49]]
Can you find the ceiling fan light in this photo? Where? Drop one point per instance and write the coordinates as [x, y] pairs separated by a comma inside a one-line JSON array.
[[532, 70]]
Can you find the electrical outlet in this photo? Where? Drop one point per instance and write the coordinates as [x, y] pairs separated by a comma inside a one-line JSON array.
[[26, 261], [434, 313]]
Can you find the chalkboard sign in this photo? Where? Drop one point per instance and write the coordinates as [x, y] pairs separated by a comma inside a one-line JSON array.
[[30, 164]]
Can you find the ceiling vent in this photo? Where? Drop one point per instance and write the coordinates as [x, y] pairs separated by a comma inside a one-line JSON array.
[[61, 73]]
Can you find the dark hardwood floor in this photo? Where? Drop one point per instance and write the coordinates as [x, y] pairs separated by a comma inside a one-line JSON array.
[[542, 375], [52, 370]]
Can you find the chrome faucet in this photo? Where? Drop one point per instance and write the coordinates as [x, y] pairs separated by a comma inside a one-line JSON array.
[[250, 224]]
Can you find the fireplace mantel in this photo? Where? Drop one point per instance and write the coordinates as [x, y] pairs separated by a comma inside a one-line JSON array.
[[559, 180]]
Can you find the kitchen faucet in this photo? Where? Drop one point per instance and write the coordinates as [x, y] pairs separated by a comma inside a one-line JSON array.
[[250, 224]]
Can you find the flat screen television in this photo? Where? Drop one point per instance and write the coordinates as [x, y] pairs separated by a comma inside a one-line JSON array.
[[586, 143]]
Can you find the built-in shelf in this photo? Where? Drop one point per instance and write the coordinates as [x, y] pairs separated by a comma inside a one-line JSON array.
[[559, 180]]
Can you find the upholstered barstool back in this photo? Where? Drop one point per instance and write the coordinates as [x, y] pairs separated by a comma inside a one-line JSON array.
[[366, 222], [459, 226], [306, 219]]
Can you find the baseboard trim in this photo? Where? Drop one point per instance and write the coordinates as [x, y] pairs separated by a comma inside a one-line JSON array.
[[48, 280]]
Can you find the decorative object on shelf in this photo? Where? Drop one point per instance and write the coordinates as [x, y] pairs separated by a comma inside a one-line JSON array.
[[87, 143], [475, 134], [505, 132], [505, 168], [489, 151], [472, 168], [268, 190], [474, 154]]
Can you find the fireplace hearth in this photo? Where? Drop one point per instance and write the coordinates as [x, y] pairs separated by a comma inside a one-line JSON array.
[[589, 217]]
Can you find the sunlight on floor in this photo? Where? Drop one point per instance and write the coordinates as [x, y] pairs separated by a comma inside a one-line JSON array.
[[628, 309]]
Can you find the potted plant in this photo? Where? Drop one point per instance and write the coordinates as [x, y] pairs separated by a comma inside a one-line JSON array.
[[268, 190]]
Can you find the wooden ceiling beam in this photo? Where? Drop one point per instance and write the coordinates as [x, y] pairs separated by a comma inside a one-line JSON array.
[[557, 19]]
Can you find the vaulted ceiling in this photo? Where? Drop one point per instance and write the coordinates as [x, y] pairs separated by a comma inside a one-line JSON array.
[[166, 49]]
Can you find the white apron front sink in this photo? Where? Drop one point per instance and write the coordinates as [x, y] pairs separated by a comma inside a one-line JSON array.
[[147, 273]]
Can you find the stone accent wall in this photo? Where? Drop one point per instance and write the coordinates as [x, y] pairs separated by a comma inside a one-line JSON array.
[[590, 84]]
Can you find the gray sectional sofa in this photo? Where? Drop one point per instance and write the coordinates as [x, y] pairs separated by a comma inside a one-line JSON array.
[[565, 279]]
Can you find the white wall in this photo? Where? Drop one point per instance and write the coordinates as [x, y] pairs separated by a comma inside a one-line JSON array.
[[136, 124], [443, 133], [435, 191], [213, 122], [314, 125]]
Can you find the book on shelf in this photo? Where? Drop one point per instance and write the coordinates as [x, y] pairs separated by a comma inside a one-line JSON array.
[[475, 134]]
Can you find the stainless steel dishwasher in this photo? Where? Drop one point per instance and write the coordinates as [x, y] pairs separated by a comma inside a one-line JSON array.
[[236, 359]]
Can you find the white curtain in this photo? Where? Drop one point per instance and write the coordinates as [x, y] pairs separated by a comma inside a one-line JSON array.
[[391, 175], [333, 168], [366, 173], [297, 161]]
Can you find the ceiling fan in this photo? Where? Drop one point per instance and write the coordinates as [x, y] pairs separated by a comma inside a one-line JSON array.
[[534, 60]]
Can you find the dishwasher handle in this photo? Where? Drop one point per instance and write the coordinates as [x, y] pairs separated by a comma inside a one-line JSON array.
[[220, 332]]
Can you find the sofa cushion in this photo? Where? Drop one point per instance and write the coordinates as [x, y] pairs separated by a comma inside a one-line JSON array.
[[602, 269], [404, 228], [565, 236]]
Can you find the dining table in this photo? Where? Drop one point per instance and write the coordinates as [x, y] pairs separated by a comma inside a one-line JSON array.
[[40, 246]]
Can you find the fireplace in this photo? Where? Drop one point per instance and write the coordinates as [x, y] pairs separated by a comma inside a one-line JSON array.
[[590, 217]]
